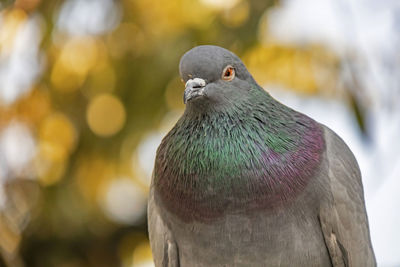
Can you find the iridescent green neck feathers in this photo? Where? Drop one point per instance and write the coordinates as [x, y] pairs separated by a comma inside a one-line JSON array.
[[256, 154]]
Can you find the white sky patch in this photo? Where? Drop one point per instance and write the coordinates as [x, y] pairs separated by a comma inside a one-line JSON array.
[[124, 202], [385, 219], [365, 32], [17, 149], [20, 66], [82, 17], [143, 157], [285, 25], [337, 24], [146, 155]]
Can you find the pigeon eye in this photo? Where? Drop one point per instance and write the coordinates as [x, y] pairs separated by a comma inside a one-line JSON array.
[[229, 73]]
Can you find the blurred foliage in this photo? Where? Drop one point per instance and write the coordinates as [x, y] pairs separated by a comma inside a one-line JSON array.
[[103, 99]]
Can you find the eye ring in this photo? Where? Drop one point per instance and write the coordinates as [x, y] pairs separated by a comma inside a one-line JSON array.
[[228, 73]]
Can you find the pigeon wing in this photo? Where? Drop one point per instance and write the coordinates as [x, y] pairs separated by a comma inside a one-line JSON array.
[[342, 215], [163, 246]]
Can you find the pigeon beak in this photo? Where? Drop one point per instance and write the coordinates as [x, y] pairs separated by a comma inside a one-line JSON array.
[[194, 88]]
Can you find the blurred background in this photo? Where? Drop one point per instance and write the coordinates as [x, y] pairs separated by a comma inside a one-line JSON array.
[[89, 87]]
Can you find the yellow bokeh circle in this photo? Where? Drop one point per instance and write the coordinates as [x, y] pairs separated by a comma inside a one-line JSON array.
[[57, 140], [57, 137], [106, 115]]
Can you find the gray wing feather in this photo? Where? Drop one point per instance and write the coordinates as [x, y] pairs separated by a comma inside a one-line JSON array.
[[163, 246], [343, 216]]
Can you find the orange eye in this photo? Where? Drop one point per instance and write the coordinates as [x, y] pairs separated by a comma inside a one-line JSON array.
[[229, 73]]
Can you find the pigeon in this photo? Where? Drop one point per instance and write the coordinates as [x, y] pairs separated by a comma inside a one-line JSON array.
[[243, 180]]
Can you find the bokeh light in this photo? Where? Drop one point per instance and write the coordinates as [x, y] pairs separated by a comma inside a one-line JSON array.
[[144, 156], [123, 201], [58, 138], [59, 134], [77, 57], [106, 115], [20, 36], [237, 15], [220, 4], [17, 149], [73, 17], [141, 255]]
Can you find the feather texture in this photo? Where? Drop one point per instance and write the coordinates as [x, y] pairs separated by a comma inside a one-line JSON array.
[[243, 180], [257, 154]]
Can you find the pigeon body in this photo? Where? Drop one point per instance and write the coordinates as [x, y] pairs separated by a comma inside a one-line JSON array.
[[243, 180]]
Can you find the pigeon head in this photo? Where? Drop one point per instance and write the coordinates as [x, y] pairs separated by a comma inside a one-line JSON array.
[[213, 76]]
